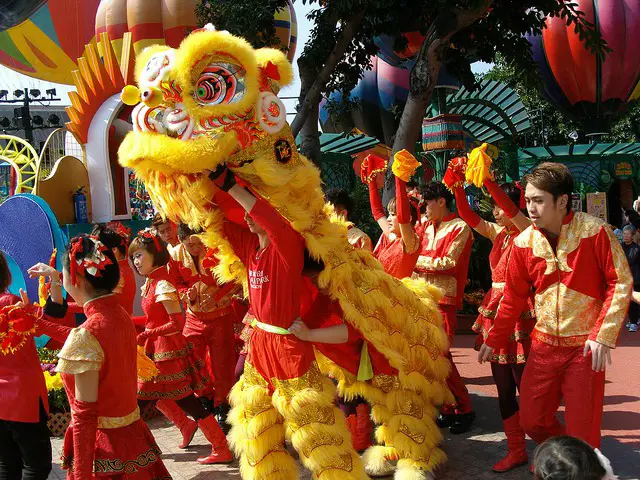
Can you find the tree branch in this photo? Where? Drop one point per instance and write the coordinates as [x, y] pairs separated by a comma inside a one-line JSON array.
[[312, 95]]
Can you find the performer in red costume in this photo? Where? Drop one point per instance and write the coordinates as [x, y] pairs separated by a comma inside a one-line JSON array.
[[166, 230], [180, 373], [508, 363], [399, 245], [444, 262], [25, 449], [107, 437], [279, 365], [583, 286], [115, 236], [209, 318]]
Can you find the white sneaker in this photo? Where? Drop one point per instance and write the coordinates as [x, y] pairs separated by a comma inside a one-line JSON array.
[[633, 327]]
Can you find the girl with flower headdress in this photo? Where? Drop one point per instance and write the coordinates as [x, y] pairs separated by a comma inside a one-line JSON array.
[[180, 373], [98, 364], [115, 236], [507, 365]]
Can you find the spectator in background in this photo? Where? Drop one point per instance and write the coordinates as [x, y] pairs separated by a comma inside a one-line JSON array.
[[343, 205], [166, 230], [632, 251]]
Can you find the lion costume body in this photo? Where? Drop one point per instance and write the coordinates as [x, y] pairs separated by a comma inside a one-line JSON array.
[[213, 101]]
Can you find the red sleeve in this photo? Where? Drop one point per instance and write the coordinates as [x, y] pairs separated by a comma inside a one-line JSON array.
[[51, 329], [181, 276], [241, 239], [286, 241], [617, 275], [516, 291], [470, 217], [501, 198], [376, 202], [403, 210]]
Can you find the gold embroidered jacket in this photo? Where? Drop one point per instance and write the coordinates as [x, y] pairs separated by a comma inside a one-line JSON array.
[[582, 291], [444, 257]]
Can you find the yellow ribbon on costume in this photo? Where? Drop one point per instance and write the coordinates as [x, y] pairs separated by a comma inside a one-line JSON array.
[[147, 370], [365, 369], [270, 328], [404, 165], [478, 166]]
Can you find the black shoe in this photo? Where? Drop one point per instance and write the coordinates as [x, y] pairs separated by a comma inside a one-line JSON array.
[[446, 420], [462, 423]]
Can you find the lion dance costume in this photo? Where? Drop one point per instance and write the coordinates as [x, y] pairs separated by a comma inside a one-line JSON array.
[[212, 102]]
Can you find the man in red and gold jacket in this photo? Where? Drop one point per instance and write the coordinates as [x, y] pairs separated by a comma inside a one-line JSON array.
[[444, 262], [582, 288]]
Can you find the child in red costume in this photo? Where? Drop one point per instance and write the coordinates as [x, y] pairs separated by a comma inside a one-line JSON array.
[[180, 373], [115, 236], [444, 262], [583, 286], [507, 365], [106, 438]]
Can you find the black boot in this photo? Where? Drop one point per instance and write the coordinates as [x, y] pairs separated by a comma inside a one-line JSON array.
[[445, 420], [462, 423]]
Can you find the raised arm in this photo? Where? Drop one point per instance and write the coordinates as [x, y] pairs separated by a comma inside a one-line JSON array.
[[471, 218], [377, 210], [280, 232], [520, 221]]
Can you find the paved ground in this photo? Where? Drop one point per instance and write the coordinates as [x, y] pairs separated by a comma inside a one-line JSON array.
[[472, 455]]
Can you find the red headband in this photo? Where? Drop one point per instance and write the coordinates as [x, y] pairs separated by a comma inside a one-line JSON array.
[[93, 265], [151, 235]]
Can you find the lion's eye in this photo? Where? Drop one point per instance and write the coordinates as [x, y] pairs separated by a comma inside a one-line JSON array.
[[220, 83]]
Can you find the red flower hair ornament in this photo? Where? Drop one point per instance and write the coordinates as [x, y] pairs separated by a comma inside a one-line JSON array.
[[150, 234], [93, 264]]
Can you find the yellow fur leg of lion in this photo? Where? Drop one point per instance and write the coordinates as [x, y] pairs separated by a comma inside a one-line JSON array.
[[257, 433], [318, 429], [412, 470], [378, 460]]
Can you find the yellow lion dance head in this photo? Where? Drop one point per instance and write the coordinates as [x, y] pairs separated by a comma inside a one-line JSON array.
[[213, 101]]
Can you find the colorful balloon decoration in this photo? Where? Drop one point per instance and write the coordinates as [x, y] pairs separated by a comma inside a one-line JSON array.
[[399, 58], [381, 94], [582, 85], [287, 29], [48, 44], [150, 22], [17, 12]]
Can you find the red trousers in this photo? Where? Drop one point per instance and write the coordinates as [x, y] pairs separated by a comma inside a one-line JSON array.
[[551, 374], [212, 336], [454, 380]]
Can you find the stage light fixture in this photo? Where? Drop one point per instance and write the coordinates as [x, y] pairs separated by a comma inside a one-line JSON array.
[[18, 93], [34, 92]]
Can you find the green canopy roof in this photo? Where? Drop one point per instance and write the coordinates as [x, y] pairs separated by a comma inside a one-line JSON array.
[[347, 142], [491, 113]]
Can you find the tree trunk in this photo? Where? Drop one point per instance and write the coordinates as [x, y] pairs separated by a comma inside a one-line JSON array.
[[308, 134], [311, 98], [422, 81]]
